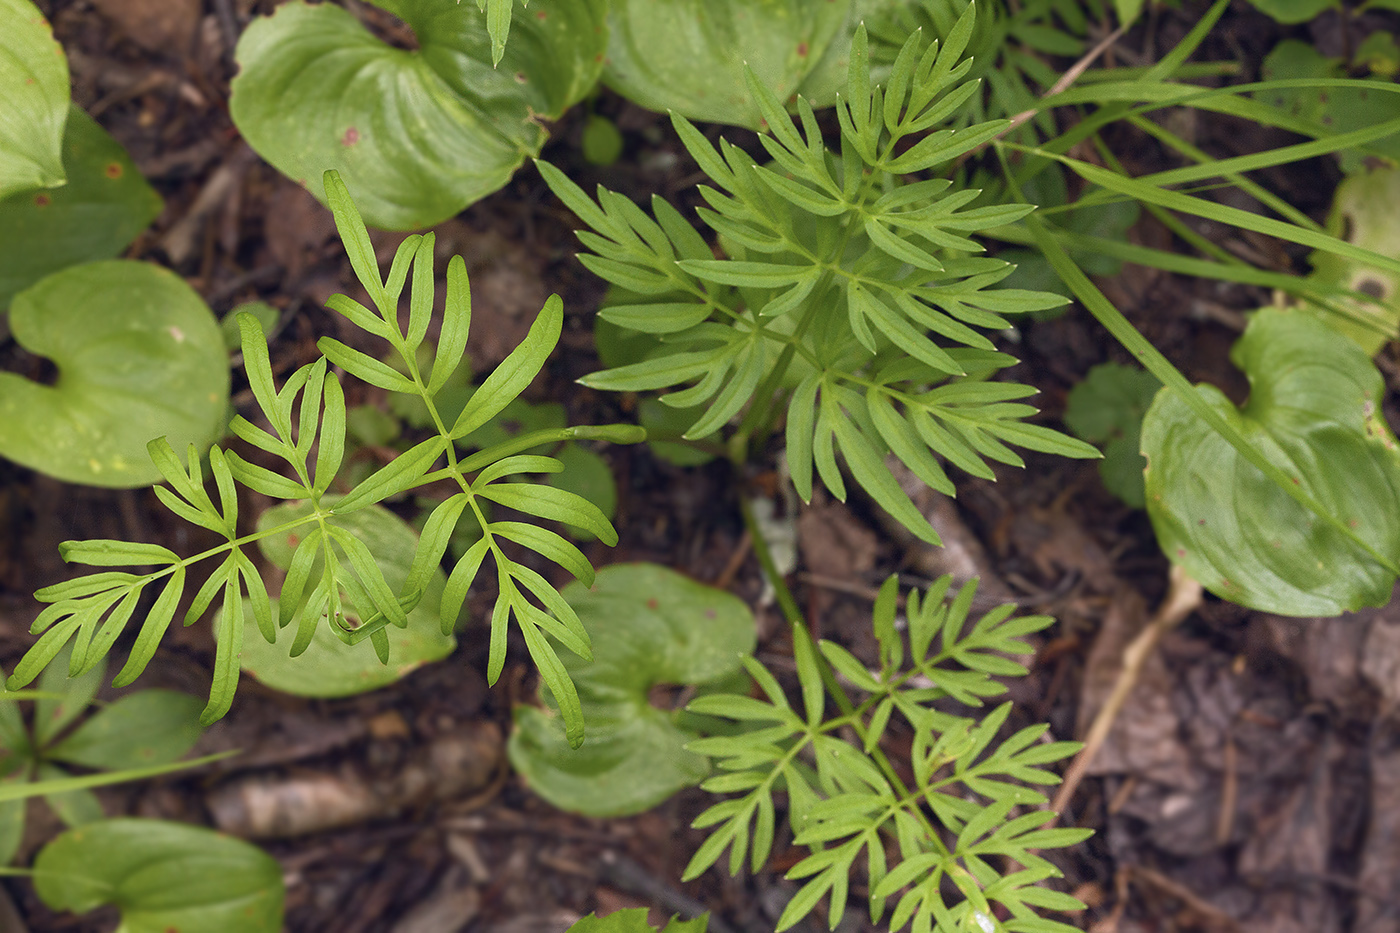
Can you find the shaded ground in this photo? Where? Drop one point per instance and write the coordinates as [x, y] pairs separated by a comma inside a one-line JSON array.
[[1252, 782]]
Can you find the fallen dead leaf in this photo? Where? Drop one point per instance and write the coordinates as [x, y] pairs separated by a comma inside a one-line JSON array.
[[834, 543]]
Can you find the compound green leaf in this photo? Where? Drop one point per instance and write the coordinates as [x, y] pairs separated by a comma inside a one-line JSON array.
[[634, 920], [162, 877], [70, 696], [1313, 412], [34, 87], [105, 204], [330, 667], [649, 626], [688, 56], [416, 135], [588, 475], [139, 356]]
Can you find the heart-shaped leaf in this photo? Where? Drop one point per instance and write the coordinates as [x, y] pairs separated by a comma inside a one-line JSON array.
[[416, 135], [95, 216], [139, 356], [34, 87], [649, 626], [330, 667], [1313, 411], [162, 877], [689, 55]]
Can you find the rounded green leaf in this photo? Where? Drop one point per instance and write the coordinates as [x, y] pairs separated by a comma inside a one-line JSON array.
[[34, 87], [689, 55], [648, 626], [330, 667], [162, 876], [1313, 411], [416, 135], [146, 728], [105, 204], [139, 356]]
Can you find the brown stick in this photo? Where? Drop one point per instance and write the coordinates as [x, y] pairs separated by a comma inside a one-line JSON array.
[[1183, 596]]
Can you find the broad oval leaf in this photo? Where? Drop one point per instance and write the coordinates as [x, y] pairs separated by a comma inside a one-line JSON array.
[[139, 356], [689, 55], [145, 728], [105, 204], [649, 626], [330, 667], [34, 87], [416, 135], [163, 876], [1313, 411]]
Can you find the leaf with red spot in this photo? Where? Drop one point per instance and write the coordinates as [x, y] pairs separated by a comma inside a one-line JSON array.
[[105, 204], [417, 135]]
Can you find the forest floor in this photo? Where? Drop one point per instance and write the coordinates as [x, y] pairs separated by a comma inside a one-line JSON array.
[[1251, 782]]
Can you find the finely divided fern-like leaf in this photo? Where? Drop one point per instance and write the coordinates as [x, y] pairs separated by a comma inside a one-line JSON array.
[[333, 577], [971, 809], [850, 296]]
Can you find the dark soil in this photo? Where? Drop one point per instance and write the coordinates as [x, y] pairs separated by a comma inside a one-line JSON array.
[[1250, 783]]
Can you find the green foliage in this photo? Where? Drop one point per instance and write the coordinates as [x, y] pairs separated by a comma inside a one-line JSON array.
[[1364, 212], [649, 626], [1294, 11], [421, 134], [602, 140], [972, 803], [34, 86], [162, 877], [1338, 109], [498, 17], [101, 209], [92, 611], [265, 314], [150, 727], [330, 667], [127, 337], [634, 920], [836, 273], [585, 474], [1313, 412], [1008, 49], [1107, 408], [690, 56]]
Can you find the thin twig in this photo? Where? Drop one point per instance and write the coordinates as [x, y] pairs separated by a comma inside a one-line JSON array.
[[1069, 77], [1183, 596]]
